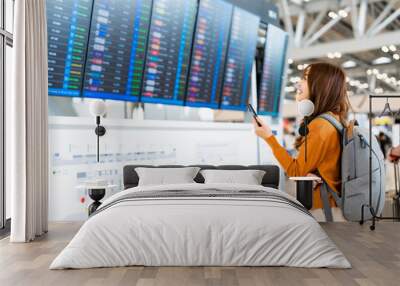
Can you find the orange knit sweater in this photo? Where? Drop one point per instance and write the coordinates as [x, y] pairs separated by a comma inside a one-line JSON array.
[[323, 155]]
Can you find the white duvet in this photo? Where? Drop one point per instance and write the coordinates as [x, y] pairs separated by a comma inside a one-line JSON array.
[[203, 232]]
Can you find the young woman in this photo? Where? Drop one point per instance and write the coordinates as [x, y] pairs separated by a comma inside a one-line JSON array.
[[325, 85]]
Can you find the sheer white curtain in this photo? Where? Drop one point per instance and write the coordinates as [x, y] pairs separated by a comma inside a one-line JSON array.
[[26, 117]]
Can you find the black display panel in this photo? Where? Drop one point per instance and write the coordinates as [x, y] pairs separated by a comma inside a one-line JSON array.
[[209, 53], [117, 47], [67, 29], [270, 89], [168, 53], [240, 57]]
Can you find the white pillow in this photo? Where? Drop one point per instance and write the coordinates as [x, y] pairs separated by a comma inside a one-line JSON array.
[[248, 177], [166, 176]]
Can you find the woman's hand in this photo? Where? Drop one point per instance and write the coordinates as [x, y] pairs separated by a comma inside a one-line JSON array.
[[393, 154], [263, 131], [315, 183]]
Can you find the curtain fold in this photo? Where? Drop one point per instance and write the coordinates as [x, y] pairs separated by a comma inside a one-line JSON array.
[[27, 130]]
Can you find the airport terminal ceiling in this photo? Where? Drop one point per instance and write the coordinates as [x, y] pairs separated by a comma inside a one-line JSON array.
[[361, 36]]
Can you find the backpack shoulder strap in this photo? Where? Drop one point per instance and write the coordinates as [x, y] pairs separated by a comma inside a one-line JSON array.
[[325, 190], [332, 120], [325, 202]]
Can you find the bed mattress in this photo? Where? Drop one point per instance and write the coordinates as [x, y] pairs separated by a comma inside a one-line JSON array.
[[201, 225]]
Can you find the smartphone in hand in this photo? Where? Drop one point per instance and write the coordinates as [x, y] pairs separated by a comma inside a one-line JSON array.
[[254, 114]]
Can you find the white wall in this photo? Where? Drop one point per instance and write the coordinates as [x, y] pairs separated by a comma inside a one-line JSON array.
[[72, 145]]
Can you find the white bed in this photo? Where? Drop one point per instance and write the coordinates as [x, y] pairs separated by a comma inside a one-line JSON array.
[[209, 230]]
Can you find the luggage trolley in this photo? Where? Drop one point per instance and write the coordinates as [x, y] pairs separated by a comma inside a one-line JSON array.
[[396, 200]]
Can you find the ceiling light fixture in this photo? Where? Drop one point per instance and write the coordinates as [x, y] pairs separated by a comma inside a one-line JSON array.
[[343, 13], [386, 78], [334, 55], [385, 49], [349, 64], [332, 15], [381, 60]]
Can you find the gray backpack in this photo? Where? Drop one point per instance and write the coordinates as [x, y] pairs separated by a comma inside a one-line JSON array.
[[355, 174]]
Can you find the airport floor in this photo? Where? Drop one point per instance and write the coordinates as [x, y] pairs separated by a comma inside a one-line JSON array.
[[375, 257]]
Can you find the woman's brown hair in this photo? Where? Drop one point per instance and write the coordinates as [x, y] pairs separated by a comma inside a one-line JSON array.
[[328, 91]]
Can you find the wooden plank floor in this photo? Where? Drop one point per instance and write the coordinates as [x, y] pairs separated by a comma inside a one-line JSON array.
[[375, 257]]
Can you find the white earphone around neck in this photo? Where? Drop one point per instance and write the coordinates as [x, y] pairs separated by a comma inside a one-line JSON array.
[[305, 107]]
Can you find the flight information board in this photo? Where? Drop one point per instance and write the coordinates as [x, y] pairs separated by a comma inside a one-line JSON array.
[[240, 57], [117, 47], [209, 53], [270, 89], [169, 49], [67, 30]]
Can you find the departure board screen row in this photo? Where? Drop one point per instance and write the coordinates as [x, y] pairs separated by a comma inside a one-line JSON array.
[[67, 31], [269, 92], [241, 52], [193, 52], [168, 55], [117, 44], [209, 53]]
